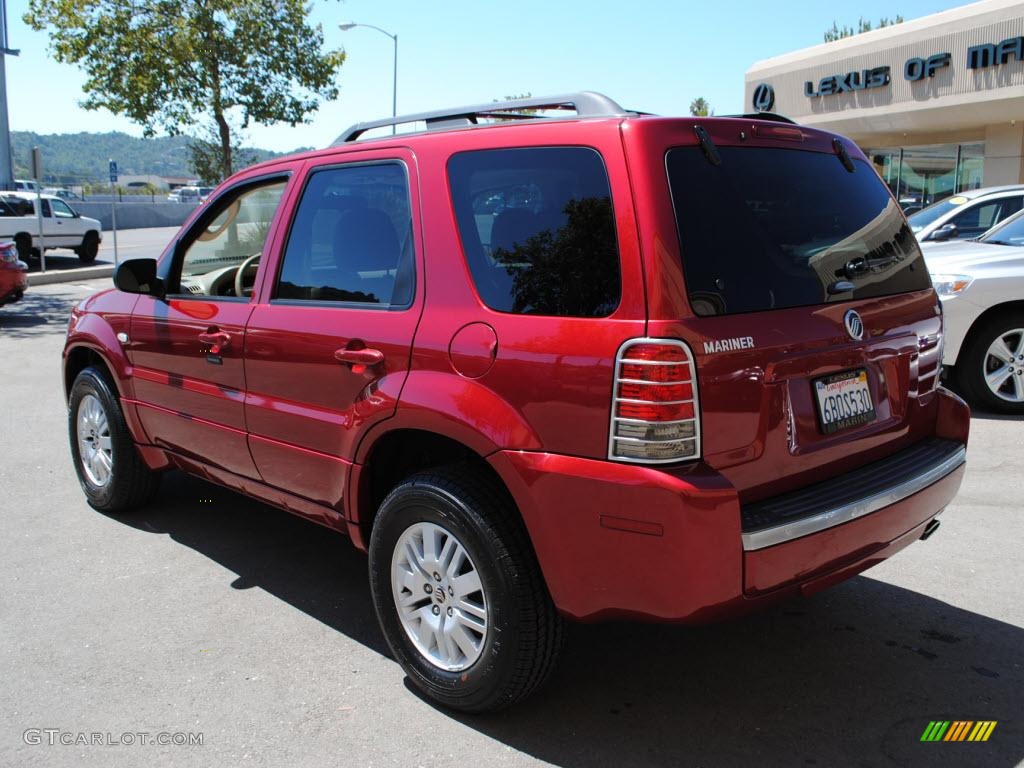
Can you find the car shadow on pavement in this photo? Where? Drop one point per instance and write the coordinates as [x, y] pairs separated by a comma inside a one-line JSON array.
[[36, 315], [851, 676]]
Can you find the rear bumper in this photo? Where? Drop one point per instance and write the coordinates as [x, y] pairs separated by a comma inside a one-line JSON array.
[[618, 541]]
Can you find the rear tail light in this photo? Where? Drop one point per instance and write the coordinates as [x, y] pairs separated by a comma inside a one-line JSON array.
[[655, 410], [8, 253]]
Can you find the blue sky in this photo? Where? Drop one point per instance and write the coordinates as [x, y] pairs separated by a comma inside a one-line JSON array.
[[653, 56]]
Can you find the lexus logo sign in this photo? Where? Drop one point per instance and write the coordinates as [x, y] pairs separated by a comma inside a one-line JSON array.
[[764, 98]]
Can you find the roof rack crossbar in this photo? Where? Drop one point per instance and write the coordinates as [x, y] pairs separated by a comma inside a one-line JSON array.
[[584, 104]]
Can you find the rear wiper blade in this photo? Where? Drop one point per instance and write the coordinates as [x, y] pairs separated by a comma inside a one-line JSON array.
[[844, 156], [707, 146]]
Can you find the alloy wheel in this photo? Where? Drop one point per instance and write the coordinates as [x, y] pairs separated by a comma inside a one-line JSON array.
[[94, 444], [439, 597], [1003, 366]]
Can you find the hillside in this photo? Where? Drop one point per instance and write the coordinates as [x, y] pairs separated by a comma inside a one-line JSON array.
[[80, 157]]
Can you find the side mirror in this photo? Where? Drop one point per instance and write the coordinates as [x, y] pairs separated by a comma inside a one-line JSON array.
[[946, 232], [139, 276]]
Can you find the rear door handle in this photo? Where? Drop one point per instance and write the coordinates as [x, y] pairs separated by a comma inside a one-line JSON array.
[[218, 341], [365, 356]]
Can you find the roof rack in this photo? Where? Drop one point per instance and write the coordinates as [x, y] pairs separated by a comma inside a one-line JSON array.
[[584, 104], [772, 116]]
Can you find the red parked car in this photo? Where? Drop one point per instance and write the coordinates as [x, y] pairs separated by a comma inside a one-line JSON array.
[[13, 274], [591, 366]]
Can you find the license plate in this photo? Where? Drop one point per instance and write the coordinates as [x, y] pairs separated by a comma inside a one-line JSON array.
[[844, 401]]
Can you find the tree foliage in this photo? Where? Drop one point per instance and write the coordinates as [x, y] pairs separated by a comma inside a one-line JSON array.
[[204, 154], [863, 25], [170, 64], [699, 107]]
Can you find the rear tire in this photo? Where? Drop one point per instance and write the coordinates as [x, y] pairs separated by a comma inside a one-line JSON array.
[[990, 369], [89, 249], [110, 470], [471, 648], [23, 243]]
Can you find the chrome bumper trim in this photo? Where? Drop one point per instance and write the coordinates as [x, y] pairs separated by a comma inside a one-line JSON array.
[[805, 526]]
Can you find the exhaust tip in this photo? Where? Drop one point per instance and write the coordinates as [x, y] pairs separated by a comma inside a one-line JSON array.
[[929, 529]]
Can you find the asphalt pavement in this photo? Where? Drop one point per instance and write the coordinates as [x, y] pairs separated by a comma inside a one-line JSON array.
[[209, 617]]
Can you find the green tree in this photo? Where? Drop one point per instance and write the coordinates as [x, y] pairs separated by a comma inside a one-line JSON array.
[[863, 25], [205, 154], [699, 107], [168, 64]]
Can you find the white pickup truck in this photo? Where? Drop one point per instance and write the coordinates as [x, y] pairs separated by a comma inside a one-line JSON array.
[[63, 227]]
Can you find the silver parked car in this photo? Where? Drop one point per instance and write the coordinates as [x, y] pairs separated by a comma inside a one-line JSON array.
[[981, 285], [967, 214]]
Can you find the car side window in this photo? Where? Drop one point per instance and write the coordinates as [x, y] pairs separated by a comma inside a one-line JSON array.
[[1010, 206], [223, 255], [351, 239], [538, 230], [979, 218], [61, 210]]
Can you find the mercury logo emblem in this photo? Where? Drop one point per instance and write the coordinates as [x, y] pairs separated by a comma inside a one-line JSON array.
[[764, 98], [854, 325]]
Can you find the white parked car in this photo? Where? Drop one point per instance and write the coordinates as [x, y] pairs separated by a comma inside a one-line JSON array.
[[62, 192], [981, 285], [967, 214], [63, 226]]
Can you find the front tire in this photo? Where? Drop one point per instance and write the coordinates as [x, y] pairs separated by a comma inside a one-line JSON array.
[[89, 249], [990, 369], [458, 592], [109, 467]]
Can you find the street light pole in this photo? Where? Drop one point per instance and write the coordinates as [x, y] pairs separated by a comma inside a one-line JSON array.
[[394, 80], [6, 167]]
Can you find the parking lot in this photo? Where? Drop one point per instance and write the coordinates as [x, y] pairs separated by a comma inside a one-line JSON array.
[[207, 613]]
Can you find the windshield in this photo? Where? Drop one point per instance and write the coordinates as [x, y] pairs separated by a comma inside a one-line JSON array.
[[926, 216], [1010, 232], [777, 228]]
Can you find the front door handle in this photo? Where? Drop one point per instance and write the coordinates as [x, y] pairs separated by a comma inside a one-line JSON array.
[[364, 357], [218, 340]]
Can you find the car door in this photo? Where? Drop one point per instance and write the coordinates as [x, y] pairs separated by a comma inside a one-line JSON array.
[[328, 349], [65, 226], [187, 349]]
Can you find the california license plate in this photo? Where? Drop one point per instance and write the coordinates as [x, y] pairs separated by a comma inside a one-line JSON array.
[[844, 401]]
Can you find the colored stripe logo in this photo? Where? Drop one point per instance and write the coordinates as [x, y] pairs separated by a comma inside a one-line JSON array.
[[959, 730]]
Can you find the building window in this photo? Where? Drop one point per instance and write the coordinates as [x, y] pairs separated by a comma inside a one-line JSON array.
[[920, 176]]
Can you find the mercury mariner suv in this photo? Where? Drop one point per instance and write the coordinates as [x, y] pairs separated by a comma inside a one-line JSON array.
[[543, 360]]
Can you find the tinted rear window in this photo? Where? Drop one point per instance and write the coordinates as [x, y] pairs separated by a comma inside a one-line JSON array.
[[775, 228], [538, 230]]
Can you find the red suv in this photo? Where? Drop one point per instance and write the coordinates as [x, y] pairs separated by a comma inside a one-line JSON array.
[[591, 365]]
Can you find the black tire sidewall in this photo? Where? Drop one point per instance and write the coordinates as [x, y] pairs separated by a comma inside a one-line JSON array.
[[969, 366], [90, 248], [24, 246], [91, 382], [476, 687]]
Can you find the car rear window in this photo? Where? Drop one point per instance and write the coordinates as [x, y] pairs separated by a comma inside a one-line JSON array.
[[776, 228], [538, 230]]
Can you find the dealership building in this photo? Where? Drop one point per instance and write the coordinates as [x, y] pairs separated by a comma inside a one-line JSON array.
[[936, 103]]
